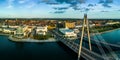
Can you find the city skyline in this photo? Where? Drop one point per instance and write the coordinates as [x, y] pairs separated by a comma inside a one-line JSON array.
[[59, 8]]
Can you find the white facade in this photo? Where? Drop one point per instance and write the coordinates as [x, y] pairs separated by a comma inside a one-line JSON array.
[[41, 30], [13, 26], [110, 23], [79, 26], [68, 33], [4, 26], [76, 30], [28, 28], [44, 28], [8, 30], [41, 33], [0, 29]]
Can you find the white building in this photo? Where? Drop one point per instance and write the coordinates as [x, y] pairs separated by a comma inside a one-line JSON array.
[[76, 30], [41, 30], [9, 30], [28, 28], [1, 29], [13, 26], [111, 23], [3, 25], [68, 33], [19, 32], [80, 26]]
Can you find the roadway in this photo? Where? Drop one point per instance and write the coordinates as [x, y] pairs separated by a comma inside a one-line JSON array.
[[87, 54]]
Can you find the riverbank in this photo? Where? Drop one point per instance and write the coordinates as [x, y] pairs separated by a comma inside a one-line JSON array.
[[11, 38], [104, 31], [4, 34], [110, 40], [109, 31]]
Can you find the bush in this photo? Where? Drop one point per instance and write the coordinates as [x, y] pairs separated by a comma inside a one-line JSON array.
[[42, 37]]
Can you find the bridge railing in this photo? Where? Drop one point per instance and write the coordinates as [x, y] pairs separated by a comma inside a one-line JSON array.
[[75, 47]]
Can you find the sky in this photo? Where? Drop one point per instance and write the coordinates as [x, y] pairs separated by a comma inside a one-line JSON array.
[[59, 8]]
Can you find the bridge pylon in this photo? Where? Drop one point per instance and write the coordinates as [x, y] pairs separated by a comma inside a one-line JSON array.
[[85, 24]]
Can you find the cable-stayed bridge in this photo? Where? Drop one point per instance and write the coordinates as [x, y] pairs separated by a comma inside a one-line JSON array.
[[84, 52]]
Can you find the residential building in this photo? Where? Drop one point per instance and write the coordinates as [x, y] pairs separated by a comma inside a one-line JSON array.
[[9, 30], [28, 30], [41, 30]]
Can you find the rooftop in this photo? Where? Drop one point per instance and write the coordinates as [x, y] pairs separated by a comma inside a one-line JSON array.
[[64, 30]]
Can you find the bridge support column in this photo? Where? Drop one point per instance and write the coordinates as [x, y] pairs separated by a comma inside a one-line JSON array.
[[85, 23]]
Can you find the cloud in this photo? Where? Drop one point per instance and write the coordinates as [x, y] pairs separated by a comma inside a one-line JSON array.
[[58, 12], [72, 3], [104, 11], [9, 6], [106, 3], [82, 1], [109, 1], [76, 8], [45, 0], [10, 3], [60, 8], [87, 9], [63, 1], [22, 1], [119, 10], [90, 5], [52, 3], [101, 1], [30, 5]]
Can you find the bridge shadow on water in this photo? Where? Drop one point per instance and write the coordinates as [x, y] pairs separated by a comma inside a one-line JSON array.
[[69, 51]]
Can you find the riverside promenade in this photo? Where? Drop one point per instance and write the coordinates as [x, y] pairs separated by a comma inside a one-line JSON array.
[[11, 38], [4, 34]]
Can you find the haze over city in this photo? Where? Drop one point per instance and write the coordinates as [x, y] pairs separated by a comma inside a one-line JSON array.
[[59, 8]]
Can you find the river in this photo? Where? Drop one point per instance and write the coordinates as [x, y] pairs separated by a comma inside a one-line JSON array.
[[112, 37], [34, 51]]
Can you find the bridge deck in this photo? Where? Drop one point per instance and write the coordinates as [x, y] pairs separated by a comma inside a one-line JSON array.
[[87, 54]]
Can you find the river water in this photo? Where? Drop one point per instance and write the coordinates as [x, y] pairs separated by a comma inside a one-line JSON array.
[[34, 51], [111, 37]]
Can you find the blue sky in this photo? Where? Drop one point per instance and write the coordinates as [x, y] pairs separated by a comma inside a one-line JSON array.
[[59, 8]]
